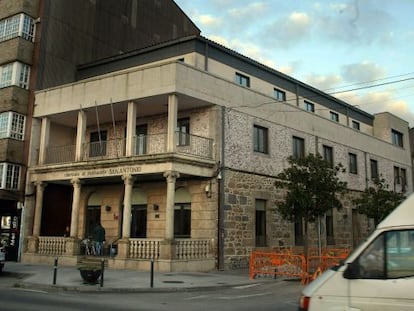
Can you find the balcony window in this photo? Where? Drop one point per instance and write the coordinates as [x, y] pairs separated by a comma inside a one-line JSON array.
[[141, 133], [260, 139], [242, 80], [9, 176], [20, 25], [12, 125], [98, 144], [14, 74], [183, 132]]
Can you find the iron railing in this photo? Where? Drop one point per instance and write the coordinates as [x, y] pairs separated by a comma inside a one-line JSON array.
[[188, 144]]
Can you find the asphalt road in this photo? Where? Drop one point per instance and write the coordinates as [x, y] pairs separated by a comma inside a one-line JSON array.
[[278, 295]]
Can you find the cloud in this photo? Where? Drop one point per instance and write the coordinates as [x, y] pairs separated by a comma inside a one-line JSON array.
[[324, 83], [363, 72], [289, 30], [249, 12], [377, 102], [209, 20]]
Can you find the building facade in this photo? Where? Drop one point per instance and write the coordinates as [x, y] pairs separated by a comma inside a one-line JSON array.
[[41, 44], [175, 148]]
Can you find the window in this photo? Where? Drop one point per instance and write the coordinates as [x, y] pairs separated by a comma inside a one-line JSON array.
[[328, 155], [374, 169], [14, 74], [353, 165], [400, 177], [330, 239], [20, 25], [182, 220], [9, 176], [12, 125], [309, 107], [299, 236], [388, 257], [183, 132], [260, 139], [261, 223], [334, 116], [355, 125], [98, 143], [242, 80], [280, 95], [298, 147], [397, 138], [141, 139]]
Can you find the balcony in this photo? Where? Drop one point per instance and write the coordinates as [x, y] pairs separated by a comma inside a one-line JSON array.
[[143, 145]]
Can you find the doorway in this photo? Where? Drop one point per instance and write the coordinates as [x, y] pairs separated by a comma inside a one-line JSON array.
[[93, 216]]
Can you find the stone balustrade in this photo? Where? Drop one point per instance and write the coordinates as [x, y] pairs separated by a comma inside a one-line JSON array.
[[144, 248], [192, 249], [50, 245]]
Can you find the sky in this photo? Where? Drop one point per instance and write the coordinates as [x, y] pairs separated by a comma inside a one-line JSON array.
[[361, 51]]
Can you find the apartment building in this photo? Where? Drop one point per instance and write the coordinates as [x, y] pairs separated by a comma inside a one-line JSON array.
[[174, 148], [41, 44]]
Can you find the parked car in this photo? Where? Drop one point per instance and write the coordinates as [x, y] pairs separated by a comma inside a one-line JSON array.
[[378, 275], [2, 257]]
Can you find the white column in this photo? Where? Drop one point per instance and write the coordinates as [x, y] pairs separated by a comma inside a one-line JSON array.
[[172, 122], [126, 226], [44, 139], [171, 177], [75, 207], [80, 135], [40, 187], [130, 130]]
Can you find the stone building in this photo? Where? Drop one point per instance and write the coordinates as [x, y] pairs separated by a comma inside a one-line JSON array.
[[174, 148], [41, 44]]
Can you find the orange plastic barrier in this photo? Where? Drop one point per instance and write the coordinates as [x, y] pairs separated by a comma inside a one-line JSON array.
[[294, 266], [288, 265]]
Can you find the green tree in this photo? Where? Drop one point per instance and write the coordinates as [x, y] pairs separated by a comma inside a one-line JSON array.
[[312, 188], [378, 201]]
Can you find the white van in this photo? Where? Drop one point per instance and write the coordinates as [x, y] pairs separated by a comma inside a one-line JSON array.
[[377, 276]]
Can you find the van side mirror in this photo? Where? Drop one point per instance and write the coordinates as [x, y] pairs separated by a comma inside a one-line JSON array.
[[352, 271]]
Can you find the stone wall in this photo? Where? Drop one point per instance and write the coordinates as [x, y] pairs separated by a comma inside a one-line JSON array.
[[241, 191]]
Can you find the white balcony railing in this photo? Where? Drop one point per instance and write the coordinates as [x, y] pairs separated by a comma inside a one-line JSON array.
[[144, 248], [50, 245], [192, 249]]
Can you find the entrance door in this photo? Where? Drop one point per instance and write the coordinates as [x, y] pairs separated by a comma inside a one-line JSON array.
[[139, 221], [93, 216]]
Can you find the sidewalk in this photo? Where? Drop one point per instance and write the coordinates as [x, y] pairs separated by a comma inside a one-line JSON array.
[[68, 278]]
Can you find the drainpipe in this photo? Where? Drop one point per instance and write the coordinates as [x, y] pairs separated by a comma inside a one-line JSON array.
[[220, 208]]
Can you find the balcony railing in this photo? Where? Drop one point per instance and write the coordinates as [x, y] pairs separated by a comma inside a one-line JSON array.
[[192, 249], [144, 249], [105, 149], [142, 145], [52, 245], [60, 154]]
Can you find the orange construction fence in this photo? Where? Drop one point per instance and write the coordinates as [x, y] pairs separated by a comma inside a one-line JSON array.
[[292, 265]]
